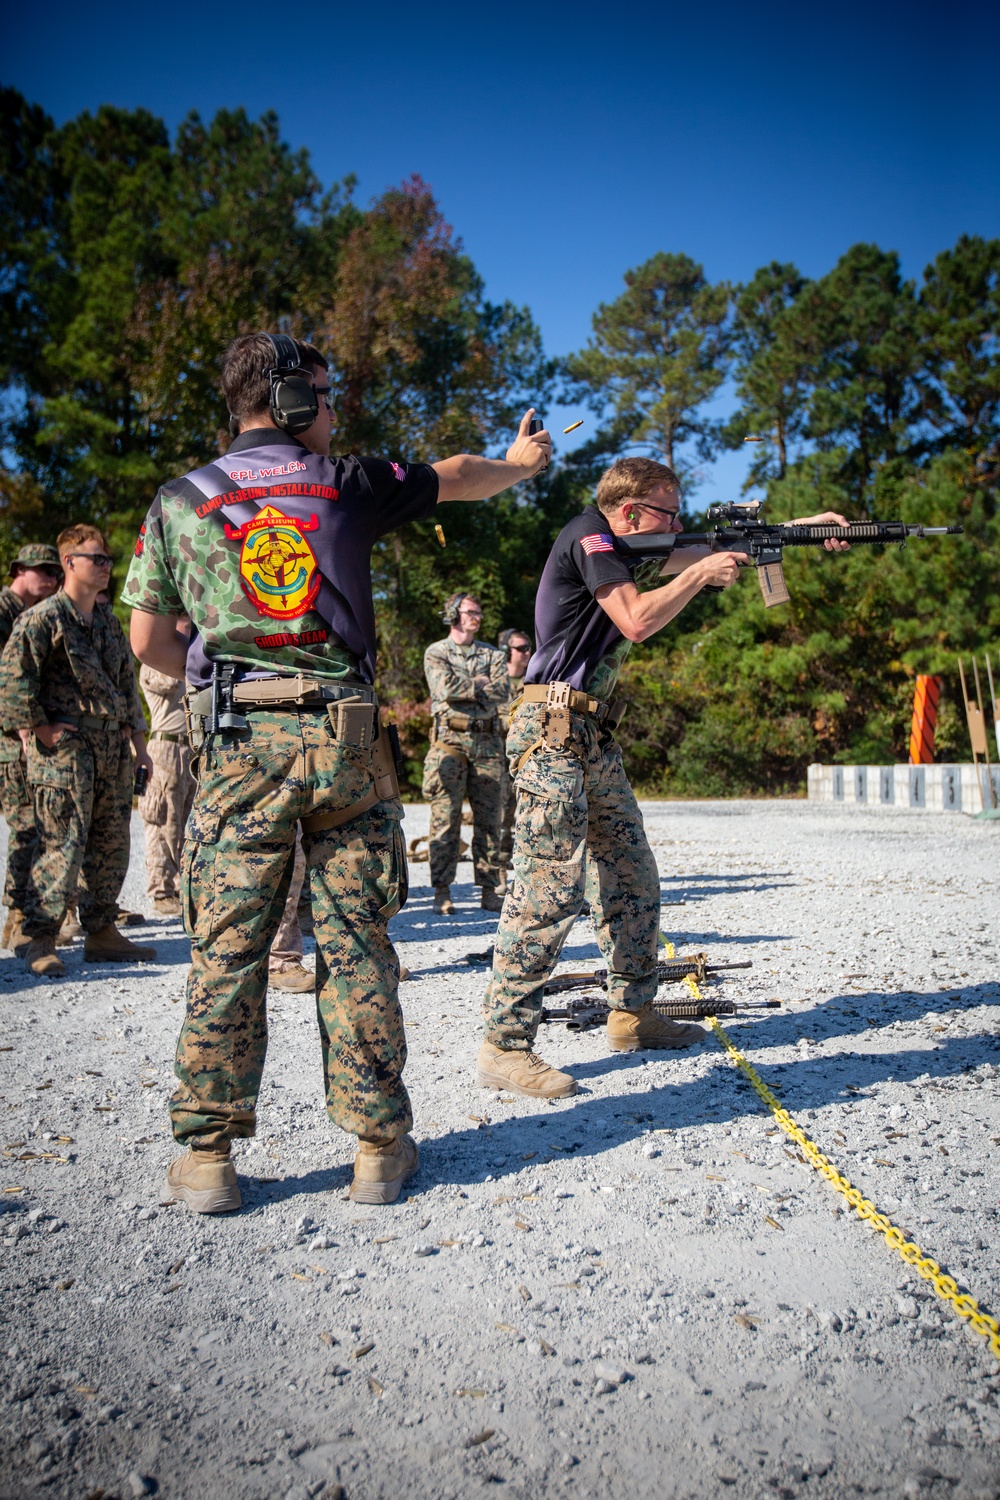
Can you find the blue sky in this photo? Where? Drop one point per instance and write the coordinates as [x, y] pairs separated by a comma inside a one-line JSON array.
[[567, 143]]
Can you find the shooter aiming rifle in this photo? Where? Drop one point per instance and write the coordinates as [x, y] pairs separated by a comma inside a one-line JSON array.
[[588, 1011], [744, 532]]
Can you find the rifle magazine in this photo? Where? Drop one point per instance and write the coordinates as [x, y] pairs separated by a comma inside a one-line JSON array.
[[773, 588]]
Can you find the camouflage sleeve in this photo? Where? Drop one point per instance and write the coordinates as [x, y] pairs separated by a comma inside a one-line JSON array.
[[150, 584], [21, 666], [497, 690], [449, 680]]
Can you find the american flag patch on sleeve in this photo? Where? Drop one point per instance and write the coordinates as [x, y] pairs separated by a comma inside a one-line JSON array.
[[599, 542]]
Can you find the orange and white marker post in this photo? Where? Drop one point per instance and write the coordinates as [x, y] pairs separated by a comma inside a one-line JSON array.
[[925, 707]]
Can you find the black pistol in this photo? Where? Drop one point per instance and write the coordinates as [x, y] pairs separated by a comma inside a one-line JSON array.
[[536, 425]]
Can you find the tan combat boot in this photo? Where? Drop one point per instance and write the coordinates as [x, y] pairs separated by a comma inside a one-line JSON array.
[[70, 929], [12, 929], [166, 906], [635, 1030], [381, 1168], [490, 900], [204, 1180], [521, 1073], [442, 901], [109, 947], [41, 958], [296, 978]]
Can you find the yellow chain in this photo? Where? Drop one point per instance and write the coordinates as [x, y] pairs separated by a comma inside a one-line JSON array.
[[945, 1286]]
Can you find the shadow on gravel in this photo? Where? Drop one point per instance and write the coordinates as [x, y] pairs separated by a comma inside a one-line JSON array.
[[170, 949], [588, 1126], [676, 888], [259, 1194]]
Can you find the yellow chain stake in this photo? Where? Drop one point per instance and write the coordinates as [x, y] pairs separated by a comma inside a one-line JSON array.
[[945, 1286]]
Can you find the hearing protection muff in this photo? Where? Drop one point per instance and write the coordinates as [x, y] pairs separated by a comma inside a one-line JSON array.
[[452, 607], [293, 403], [506, 636]]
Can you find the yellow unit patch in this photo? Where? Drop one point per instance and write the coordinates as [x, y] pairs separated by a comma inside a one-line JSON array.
[[278, 568]]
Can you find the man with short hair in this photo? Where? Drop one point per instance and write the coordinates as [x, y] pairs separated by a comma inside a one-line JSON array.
[[467, 679], [67, 688], [518, 647], [268, 549], [575, 807], [34, 575]]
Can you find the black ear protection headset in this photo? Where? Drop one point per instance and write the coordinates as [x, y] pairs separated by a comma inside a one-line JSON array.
[[453, 606], [506, 636], [292, 401]]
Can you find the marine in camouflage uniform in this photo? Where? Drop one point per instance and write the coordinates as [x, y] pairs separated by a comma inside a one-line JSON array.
[[468, 687], [60, 668], [578, 831], [268, 552], [41, 563], [166, 803]]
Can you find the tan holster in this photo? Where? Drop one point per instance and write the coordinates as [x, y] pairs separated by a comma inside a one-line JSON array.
[[382, 764]]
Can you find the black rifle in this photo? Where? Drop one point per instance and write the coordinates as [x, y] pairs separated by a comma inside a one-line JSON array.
[[587, 1011], [741, 531], [669, 971]]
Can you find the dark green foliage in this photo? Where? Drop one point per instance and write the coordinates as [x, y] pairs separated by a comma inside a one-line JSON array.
[[127, 262], [658, 353]]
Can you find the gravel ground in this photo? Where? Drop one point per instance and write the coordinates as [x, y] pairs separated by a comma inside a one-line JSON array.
[[638, 1291]]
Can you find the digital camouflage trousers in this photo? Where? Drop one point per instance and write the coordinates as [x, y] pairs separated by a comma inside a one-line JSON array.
[[508, 808], [578, 830], [253, 788], [286, 949], [22, 840], [458, 766], [82, 790]]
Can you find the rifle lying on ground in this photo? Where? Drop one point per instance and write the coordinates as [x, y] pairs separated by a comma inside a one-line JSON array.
[[590, 1010], [763, 543]]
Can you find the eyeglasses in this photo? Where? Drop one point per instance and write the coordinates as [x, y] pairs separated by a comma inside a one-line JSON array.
[[99, 559], [326, 391], [471, 614], [660, 511], [50, 572]]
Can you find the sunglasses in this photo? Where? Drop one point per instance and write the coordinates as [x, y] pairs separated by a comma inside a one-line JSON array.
[[525, 650], [99, 559], [326, 391]]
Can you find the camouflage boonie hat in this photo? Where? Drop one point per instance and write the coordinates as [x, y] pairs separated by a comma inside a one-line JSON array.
[[36, 555]]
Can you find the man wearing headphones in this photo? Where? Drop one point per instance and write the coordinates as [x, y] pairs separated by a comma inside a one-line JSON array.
[[268, 551], [468, 686], [517, 646]]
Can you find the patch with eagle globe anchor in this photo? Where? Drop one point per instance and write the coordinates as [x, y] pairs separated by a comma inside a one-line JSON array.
[[278, 568]]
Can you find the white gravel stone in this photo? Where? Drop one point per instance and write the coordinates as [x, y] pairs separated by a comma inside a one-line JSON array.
[[168, 1321]]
